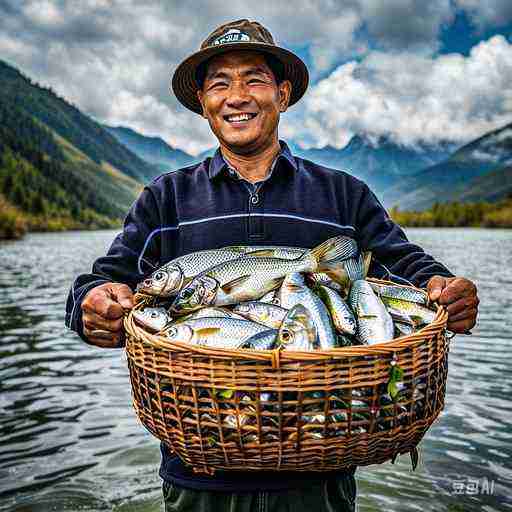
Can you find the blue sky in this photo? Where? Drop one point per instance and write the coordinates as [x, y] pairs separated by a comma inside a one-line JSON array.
[[412, 70]]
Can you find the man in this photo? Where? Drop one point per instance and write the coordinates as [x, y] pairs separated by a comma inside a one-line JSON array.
[[253, 191]]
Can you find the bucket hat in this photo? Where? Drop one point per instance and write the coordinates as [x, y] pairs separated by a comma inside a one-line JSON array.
[[237, 35]]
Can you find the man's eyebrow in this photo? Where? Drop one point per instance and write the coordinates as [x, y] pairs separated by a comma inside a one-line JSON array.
[[249, 71]]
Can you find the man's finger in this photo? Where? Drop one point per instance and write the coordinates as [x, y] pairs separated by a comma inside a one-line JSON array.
[[123, 294], [457, 289], [95, 321], [463, 315], [104, 306], [104, 339], [463, 304], [461, 326], [435, 287]]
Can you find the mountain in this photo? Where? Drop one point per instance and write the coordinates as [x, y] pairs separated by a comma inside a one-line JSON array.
[[379, 161], [478, 171], [59, 169], [151, 149]]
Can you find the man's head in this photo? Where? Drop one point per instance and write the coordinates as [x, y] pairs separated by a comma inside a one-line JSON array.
[[243, 83], [239, 36]]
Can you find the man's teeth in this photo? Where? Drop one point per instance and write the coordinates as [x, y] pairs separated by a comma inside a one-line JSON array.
[[240, 117]]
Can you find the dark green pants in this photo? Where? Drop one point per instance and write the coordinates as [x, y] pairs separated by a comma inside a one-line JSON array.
[[337, 495]]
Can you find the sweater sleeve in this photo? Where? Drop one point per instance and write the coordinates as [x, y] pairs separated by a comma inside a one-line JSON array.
[[132, 254], [393, 256]]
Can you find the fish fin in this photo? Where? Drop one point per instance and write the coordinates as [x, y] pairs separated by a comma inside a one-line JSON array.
[[367, 259], [276, 282], [261, 253], [228, 287], [355, 268], [337, 248]]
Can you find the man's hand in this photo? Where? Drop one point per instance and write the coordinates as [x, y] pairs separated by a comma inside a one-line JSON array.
[[458, 295], [102, 314]]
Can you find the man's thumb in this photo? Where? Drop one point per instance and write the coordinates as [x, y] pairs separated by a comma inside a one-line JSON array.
[[124, 295], [435, 287]]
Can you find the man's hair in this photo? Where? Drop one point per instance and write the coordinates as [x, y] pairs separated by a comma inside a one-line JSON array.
[[275, 65]]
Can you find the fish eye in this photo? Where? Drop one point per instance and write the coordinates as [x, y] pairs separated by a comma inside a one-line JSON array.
[[154, 314], [159, 276], [286, 336]]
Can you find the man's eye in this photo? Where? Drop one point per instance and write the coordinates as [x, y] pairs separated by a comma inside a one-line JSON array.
[[217, 85]]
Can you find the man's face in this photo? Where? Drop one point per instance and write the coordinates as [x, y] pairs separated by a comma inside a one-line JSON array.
[[240, 82]]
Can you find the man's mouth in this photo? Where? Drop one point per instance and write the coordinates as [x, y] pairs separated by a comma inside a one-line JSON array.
[[239, 118]]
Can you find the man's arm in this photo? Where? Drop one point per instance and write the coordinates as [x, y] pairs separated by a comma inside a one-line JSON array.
[[96, 301], [394, 253]]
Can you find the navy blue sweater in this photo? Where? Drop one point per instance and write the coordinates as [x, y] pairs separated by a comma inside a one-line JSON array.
[[206, 206]]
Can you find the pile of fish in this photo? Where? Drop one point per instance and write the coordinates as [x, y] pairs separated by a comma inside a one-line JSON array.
[[279, 297], [289, 298]]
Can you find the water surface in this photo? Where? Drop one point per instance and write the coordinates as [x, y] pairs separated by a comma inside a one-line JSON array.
[[69, 439]]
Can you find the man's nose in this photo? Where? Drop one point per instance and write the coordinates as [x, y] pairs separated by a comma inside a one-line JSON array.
[[237, 94]]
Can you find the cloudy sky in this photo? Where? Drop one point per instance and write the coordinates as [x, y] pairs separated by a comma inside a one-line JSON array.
[[414, 70]]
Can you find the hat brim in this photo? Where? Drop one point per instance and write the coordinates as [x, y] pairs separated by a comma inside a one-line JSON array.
[[184, 83]]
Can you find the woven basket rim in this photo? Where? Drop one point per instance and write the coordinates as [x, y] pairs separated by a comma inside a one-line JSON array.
[[277, 355]]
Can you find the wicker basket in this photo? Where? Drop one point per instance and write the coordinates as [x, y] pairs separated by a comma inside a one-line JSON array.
[[282, 410]]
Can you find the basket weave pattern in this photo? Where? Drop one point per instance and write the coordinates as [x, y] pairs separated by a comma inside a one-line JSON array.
[[301, 411]]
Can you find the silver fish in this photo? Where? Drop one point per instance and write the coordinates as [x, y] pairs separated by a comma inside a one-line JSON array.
[[266, 314], [294, 291], [298, 331], [248, 278], [400, 292], [421, 315], [342, 318], [374, 323], [153, 319], [228, 333]]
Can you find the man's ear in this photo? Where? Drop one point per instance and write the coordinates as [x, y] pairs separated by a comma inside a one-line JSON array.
[[199, 94], [285, 91]]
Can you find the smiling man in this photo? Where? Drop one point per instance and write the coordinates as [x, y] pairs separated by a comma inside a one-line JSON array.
[[253, 191]]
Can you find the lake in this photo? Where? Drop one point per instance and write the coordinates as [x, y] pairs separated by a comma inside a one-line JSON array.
[[70, 440]]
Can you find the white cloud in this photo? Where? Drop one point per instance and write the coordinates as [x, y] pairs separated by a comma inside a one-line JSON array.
[[488, 12], [99, 53], [413, 98]]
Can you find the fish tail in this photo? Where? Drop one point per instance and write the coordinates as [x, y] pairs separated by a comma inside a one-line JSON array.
[[337, 248]]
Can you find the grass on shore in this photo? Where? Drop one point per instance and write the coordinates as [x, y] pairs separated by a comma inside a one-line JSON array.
[[486, 215]]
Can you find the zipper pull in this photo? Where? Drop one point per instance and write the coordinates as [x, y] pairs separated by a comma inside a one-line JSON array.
[[255, 198]]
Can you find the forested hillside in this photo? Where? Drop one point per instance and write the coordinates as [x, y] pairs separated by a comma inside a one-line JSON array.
[[58, 168]]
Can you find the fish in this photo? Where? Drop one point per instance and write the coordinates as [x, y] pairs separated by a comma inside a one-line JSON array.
[[297, 331], [171, 277], [294, 291], [407, 293], [267, 314], [229, 333], [153, 319], [248, 278], [420, 315], [342, 318], [374, 323]]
